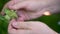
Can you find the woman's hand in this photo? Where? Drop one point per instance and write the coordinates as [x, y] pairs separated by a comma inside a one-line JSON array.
[[31, 9], [29, 27]]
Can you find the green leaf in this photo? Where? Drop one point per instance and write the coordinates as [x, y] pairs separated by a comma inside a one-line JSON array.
[[10, 14], [7, 17], [3, 25]]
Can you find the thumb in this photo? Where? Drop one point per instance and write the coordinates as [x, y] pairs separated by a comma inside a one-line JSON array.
[[20, 25]]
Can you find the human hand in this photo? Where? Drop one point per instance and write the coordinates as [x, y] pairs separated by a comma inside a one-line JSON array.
[[31, 9], [34, 8], [29, 27]]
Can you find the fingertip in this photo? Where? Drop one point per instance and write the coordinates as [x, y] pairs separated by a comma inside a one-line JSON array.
[[10, 4], [14, 24]]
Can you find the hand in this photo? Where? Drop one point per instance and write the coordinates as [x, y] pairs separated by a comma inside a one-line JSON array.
[[29, 27], [31, 9]]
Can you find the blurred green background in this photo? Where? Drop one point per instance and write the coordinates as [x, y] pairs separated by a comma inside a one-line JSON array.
[[53, 21]]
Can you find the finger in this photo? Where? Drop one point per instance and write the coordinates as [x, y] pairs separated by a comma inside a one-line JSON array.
[[18, 5], [16, 0], [18, 25], [11, 3], [8, 4], [10, 28], [21, 15], [10, 24], [15, 25], [13, 0], [21, 25]]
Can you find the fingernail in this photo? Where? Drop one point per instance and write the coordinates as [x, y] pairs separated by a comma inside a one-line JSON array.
[[14, 24]]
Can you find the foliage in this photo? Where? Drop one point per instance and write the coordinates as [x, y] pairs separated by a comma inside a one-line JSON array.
[[10, 14], [3, 25]]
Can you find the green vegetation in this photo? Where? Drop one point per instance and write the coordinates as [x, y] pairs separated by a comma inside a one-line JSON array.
[[3, 25], [10, 14]]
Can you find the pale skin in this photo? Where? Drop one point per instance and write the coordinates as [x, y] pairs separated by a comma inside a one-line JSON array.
[[29, 27], [31, 9]]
